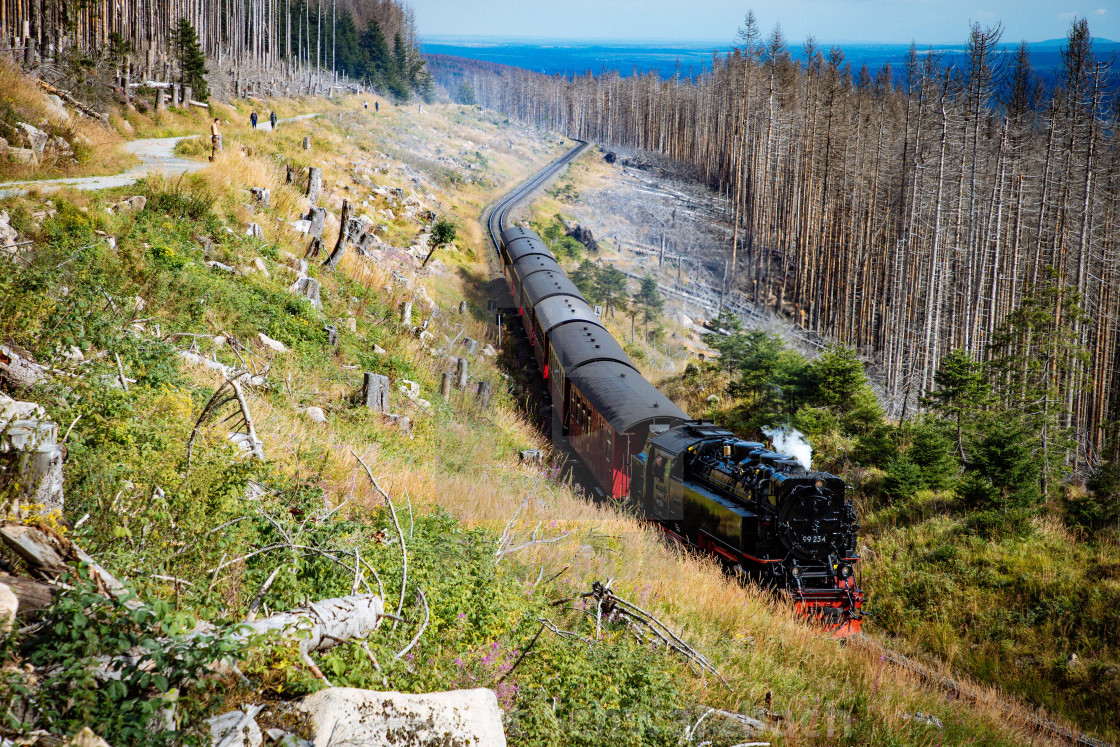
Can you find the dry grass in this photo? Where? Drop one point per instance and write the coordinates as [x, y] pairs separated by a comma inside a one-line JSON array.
[[27, 102]]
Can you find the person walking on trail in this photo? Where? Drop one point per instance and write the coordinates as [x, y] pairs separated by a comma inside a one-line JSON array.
[[376, 107], [215, 139], [253, 120], [365, 104], [272, 119]]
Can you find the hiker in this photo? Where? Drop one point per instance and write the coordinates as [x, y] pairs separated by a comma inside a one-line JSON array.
[[365, 104], [376, 107], [272, 119], [253, 120], [215, 139]]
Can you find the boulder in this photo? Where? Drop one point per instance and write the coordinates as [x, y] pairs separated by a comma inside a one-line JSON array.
[[57, 108], [23, 155], [36, 137], [268, 342], [301, 226], [260, 266], [8, 235], [346, 715], [316, 415], [237, 728]]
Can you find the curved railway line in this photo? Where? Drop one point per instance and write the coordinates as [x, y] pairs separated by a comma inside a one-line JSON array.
[[1036, 723]]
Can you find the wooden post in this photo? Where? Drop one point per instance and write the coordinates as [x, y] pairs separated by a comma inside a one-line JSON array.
[[343, 238], [314, 184], [406, 314], [445, 386], [483, 397], [462, 372], [375, 392]]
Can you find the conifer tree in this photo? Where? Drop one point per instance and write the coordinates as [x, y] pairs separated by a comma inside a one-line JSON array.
[[192, 62]]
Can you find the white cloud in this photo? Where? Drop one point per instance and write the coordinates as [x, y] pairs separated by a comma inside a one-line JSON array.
[[1101, 11]]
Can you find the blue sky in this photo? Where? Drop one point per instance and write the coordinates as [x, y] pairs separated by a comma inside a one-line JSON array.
[[926, 21]]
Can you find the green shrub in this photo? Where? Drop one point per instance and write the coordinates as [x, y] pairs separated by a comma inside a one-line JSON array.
[[128, 699], [903, 479]]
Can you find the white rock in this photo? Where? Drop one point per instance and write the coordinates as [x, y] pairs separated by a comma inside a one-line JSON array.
[[301, 226], [346, 715], [236, 728], [489, 351], [220, 341], [378, 349], [254, 230], [260, 266], [9, 603], [316, 415], [268, 342], [408, 388]]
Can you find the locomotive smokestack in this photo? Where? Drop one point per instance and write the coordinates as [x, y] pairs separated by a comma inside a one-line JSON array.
[[791, 441]]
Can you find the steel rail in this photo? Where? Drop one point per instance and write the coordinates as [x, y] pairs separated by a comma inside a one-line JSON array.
[[495, 220]]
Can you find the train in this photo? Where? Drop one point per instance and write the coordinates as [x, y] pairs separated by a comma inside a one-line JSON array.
[[763, 514]]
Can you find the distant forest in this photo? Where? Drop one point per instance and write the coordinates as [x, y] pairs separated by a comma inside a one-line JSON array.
[[957, 206], [373, 41]]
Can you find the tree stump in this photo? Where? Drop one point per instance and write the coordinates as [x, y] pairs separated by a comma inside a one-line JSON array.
[[471, 345], [263, 195], [160, 104], [332, 334], [461, 371], [188, 96], [483, 396], [375, 392], [445, 386], [290, 175], [462, 308], [318, 221], [314, 184], [343, 238], [308, 288], [307, 143], [406, 314]]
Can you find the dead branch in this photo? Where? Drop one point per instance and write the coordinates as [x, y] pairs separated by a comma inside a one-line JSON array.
[[400, 534], [423, 627], [242, 431]]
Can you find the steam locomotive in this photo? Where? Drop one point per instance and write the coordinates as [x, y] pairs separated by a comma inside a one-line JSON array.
[[760, 512]]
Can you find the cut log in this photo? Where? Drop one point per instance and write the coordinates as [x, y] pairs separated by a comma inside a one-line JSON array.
[[32, 595], [326, 623], [17, 372]]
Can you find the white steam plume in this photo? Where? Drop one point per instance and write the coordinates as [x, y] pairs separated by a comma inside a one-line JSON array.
[[791, 441]]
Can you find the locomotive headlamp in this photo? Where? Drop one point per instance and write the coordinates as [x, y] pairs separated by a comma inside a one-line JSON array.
[[795, 571], [845, 571], [819, 484]]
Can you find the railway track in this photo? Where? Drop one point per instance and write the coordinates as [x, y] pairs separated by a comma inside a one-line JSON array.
[[1021, 714], [495, 220]]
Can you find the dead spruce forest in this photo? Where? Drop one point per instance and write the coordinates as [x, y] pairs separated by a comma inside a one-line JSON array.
[[903, 213]]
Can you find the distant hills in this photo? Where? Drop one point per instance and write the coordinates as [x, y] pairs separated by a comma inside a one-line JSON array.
[[688, 59]]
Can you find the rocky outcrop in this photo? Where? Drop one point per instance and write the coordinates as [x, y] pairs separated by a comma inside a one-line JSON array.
[[460, 718]]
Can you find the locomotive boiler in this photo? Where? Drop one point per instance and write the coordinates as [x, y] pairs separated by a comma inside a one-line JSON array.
[[762, 513]]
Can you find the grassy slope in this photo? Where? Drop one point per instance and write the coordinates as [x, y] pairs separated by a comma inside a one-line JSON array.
[[457, 459], [1008, 612]]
